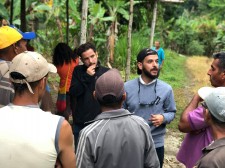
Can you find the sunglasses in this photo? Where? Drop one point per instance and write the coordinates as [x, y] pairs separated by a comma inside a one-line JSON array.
[[154, 102]]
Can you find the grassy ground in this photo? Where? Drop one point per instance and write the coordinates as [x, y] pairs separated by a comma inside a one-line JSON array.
[[190, 75]]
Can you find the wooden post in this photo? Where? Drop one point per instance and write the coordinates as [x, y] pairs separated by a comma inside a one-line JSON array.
[[23, 15], [11, 11], [127, 74], [84, 22], [153, 23], [67, 22]]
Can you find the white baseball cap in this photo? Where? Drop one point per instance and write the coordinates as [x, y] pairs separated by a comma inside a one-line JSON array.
[[32, 65], [215, 101]]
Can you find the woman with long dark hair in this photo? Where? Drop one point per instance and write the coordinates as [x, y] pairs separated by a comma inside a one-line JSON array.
[[65, 60]]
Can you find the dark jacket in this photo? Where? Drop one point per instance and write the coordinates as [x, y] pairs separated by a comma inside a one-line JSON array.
[[84, 106], [213, 155]]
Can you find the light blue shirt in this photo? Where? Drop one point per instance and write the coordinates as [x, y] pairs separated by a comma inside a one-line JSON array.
[[139, 101]]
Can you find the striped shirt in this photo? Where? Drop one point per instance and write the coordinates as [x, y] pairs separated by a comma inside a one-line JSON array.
[[6, 87]]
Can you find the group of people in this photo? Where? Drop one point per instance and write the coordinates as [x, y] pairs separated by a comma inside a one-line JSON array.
[[115, 124]]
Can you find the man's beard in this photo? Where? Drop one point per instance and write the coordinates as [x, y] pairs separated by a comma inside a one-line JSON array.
[[148, 74]]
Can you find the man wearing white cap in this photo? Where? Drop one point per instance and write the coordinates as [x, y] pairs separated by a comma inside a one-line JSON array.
[[192, 119], [214, 116], [31, 137]]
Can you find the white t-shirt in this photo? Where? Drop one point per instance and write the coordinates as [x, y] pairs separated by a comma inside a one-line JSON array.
[[28, 137]]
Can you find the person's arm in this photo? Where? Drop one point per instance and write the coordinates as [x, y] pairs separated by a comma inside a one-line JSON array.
[[161, 64], [66, 146], [83, 153], [151, 158], [169, 113], [184, 124], [162, 58]]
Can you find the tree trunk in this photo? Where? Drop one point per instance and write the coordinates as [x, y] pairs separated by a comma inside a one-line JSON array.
[[127, 74], [153, 23], [67, 22], [84, 22], [60, 28], [112, 42], [23, 15], [11, 12]]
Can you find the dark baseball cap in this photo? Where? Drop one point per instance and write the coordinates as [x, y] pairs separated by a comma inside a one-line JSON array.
[[142, 54], [109, 87]]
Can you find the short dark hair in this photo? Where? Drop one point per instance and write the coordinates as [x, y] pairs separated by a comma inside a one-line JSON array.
[[84, 47], [221, 57], [62, 53], [20, 88]]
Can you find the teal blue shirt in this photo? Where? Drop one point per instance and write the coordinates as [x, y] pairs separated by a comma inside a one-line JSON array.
[[161, 54]]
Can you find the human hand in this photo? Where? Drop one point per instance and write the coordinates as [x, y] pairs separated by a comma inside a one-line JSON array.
[[156, 119], [91, 70]]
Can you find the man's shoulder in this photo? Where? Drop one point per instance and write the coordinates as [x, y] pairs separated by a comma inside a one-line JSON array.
[[164, 84], [130, 82], [103, 69], [140, 120], [79, 68], [4, 67]]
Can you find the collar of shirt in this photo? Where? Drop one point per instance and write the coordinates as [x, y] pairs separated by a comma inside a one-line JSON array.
[[142, 81]]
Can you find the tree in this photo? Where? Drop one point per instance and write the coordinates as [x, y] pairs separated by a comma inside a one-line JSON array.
[[153, 23], [23, 15], [115, 7], [127, 75], [84, 21]]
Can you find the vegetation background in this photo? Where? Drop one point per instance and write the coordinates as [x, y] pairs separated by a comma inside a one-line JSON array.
[[190, 33]]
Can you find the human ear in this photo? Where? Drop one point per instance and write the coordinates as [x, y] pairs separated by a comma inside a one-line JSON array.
[[139, 64], [94, 95]]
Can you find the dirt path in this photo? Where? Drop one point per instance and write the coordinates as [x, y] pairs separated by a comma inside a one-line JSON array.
[[196, 68]]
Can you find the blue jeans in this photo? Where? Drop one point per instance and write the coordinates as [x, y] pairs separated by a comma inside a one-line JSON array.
[[76, 130], [160, 154]]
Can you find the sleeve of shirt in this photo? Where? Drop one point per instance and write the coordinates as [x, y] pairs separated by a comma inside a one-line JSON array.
[[169, 108], [151, 158], [196, 119], [84, 158], [78, 82]]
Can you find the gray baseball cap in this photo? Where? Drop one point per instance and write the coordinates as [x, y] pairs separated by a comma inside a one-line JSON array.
[[215, 101], [109, 84]]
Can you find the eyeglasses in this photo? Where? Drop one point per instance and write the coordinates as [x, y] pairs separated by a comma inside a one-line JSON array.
[[155, 101]]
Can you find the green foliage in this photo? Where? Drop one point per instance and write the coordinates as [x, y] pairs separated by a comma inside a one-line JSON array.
[[139, 41], [3, 11], [195, 48], [173, 69], [220, 39]]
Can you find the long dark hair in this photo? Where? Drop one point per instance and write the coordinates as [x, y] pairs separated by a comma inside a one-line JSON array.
[[63, 53]]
